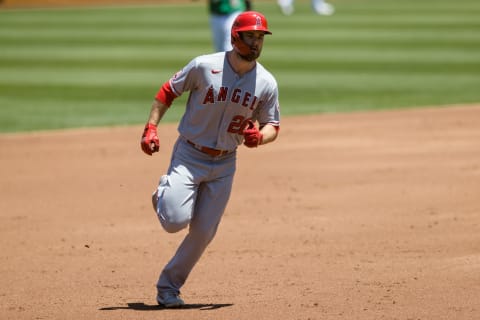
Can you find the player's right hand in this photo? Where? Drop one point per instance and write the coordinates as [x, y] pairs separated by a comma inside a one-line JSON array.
[[150, 142]]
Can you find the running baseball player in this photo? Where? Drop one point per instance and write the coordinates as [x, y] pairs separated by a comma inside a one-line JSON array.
[[222, 15], [232, 100]]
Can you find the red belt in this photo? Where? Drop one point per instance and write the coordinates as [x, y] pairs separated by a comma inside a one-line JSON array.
[[211, 152]]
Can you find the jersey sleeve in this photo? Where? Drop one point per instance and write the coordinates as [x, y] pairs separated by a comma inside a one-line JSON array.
[[268, 111], [180, 82], [184, 80]]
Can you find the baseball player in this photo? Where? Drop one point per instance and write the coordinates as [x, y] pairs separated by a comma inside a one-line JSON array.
[[222, 15], [320, 7], [232, 100]]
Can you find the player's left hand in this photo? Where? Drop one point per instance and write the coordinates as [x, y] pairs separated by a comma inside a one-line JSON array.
[[150, 142], [253, 136]]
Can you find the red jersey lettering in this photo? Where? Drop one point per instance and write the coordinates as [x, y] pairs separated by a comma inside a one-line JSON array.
[[209, 98]]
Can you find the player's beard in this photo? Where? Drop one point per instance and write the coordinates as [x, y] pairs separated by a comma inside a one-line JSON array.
[[252, 55]]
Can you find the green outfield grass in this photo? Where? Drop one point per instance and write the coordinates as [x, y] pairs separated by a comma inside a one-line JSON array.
[[62, 68]]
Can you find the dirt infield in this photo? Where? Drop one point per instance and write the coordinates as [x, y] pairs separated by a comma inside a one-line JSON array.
[[354, 216]]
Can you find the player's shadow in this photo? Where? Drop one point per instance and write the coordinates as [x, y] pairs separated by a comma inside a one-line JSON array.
[[140, 306]]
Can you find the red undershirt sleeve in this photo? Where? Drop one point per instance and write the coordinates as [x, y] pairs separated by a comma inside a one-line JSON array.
[[166, 95]]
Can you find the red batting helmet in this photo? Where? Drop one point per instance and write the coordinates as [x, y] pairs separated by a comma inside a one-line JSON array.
[[247, 21], [250, 21]]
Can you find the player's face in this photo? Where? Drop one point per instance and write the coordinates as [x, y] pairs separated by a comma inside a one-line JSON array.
[[254, 41]]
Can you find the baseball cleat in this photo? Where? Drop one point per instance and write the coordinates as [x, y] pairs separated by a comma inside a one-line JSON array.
[[286, 7], [323, 8], [170, 300]]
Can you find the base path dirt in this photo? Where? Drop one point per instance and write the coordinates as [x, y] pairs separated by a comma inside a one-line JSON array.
[[371, 215]]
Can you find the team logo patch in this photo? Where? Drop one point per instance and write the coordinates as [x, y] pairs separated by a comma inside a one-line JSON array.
[[259, 21]]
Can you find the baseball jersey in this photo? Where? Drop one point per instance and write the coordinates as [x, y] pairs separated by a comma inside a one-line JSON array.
[[226, 6], [221, 102]]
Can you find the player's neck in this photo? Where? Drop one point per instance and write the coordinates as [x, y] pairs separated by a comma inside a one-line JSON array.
[[238, 64]]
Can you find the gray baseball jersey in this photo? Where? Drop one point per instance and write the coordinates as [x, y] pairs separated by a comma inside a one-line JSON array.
[[221, 102]]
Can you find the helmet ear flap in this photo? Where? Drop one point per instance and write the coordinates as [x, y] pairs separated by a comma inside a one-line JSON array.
[[234, 37], [238, 44]]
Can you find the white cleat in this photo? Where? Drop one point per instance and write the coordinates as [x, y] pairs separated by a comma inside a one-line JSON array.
[[286, 6], [323, 8]]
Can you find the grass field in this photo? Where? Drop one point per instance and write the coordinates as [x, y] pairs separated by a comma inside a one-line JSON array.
[[62, 68]]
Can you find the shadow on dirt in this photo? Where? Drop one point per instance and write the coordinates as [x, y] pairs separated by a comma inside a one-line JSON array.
[[140, 306]]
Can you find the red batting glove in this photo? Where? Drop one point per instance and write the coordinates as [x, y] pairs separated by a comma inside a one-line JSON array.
[[253, 136], [150, 142]]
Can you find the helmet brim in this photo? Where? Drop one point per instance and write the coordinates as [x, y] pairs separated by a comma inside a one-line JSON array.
[[250, 28]]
